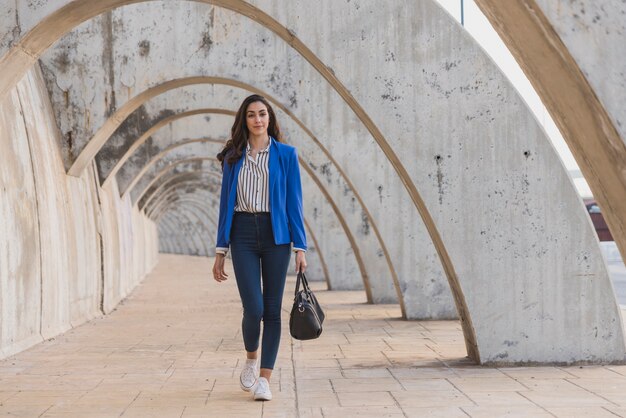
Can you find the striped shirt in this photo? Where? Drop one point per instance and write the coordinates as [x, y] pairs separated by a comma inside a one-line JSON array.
[[253, 183]]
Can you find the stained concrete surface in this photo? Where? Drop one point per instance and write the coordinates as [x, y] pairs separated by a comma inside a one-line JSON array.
[[69, 251], [173, 349], [494, 192], [617, 270]]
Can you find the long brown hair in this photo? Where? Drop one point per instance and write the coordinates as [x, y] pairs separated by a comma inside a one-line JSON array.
[[234, 147]]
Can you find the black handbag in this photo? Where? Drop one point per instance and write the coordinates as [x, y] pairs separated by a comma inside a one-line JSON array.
[[305, 322]]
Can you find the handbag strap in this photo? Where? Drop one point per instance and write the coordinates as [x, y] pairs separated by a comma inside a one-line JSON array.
[[305, 284]]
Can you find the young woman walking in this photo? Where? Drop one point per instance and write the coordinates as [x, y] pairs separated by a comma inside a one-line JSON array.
[[260, 217]]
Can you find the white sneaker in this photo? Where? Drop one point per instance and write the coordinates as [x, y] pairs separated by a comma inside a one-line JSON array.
[[248, 376], [262, 391]]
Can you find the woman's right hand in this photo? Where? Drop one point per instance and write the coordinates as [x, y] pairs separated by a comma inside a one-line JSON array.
[[218, 268]]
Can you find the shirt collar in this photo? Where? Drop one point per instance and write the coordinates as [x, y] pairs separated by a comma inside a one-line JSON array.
[[269, 144]]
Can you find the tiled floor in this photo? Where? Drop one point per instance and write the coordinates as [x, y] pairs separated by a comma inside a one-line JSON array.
[[173, 349]]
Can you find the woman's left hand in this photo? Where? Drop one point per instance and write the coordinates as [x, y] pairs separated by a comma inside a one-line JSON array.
[[300, 261]]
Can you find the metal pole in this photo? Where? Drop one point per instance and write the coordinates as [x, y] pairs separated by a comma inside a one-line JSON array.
[[462, 15]]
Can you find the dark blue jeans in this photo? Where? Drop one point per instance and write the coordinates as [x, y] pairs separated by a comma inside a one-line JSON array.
[[257, 259]]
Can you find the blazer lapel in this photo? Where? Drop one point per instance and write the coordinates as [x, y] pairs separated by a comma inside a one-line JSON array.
[[273, 165], [235, 178]]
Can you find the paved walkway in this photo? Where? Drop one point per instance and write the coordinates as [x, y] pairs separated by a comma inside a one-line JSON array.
[[173, 349]]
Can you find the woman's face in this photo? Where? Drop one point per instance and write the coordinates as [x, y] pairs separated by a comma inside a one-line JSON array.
[[257, 118]]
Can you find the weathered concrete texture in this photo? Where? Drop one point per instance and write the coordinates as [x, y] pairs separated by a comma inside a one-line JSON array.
[[9, 25], [66, 232], [175, 195], [149, 174], [317, 269], [194, 234], [118, 237], [167, 181], [592, 132], [343, 268], [130, 174], [185, 186], [51, 275], [510, 230], [594, 34], [421, 279], [195, 219], [499, 196], [160, 109], [20, 266]]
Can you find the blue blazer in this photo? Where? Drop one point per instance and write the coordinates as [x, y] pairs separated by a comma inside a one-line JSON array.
[[285, 194]]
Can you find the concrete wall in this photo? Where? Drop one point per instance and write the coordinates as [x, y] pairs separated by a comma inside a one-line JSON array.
[[51, 274], [572, 53], [594, 34], [467, 191]]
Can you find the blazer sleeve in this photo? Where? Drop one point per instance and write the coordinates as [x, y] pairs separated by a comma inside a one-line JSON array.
[[294, 204], [222, 242]]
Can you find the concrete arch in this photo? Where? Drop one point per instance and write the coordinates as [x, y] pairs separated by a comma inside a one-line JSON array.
[[155, 128], [164, 171], [345, 227], [102, 137], [174, 244], [575, 107], [166, 205], [172, 198], [184, 221], [371, 296], [184, 172], [22, 56], [169, 246], [492, 349], [197, 205], [172, 192], [181, 211], [150, 194], [125, 190], [169, 205]]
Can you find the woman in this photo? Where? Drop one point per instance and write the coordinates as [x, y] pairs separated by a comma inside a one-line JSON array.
[[260, 216]]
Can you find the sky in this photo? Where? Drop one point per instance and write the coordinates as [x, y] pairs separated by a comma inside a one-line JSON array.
[[481, 30]]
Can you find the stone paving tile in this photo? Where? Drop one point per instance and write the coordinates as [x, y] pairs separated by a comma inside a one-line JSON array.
[[318, 400], [173, 348], [428, 398], [492, 384], [426, 384], [499, 398], [365, 385], [436, 412], [365, 373], [557, 398], [536, 372], [593, 372], [617, 410], [23, 410], [357, 411], [366, 399], [508, 411], [581, 412]]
